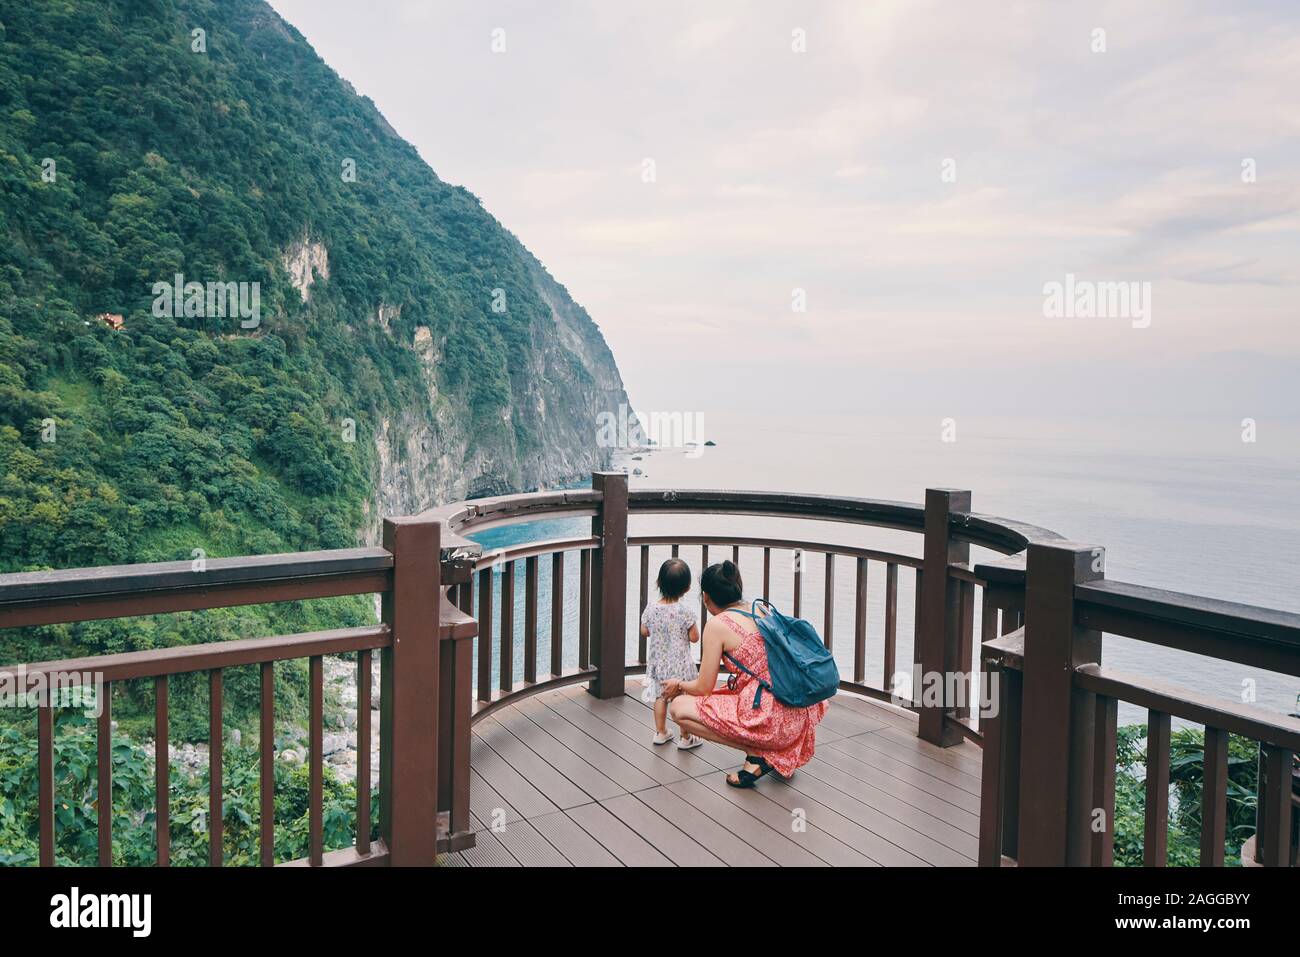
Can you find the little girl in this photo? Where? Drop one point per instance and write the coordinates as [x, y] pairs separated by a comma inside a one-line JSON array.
[[670, 627]]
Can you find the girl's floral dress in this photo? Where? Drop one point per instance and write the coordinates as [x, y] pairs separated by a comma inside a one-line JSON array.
[[668, 648]]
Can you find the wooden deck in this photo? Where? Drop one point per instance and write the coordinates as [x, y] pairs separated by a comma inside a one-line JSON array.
[[563, 779]]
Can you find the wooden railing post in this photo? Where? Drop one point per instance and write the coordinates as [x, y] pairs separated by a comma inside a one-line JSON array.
[[409, 709], [940, 615], [1274, 839], [609, 581], [1058, 720]]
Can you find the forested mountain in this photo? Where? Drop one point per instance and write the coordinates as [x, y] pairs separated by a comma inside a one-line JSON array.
[[406, 346]]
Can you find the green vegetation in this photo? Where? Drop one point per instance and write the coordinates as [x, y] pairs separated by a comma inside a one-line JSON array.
[[128, 156], [134, 820], [133, 149], [1186, 772]]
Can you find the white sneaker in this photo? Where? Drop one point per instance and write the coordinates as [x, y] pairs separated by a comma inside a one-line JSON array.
[[688, 742], [663, 738]]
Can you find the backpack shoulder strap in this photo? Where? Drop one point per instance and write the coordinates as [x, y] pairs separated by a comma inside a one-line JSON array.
[[762, 685], [753, 609], [733, 625]]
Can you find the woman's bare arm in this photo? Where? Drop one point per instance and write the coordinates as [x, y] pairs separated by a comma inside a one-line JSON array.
[[694, 634], [710, 660]]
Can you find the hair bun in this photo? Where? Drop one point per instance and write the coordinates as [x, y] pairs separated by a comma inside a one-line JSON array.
[[722, 583]]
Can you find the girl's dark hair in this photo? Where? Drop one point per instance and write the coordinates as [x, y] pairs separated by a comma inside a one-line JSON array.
[[674, 579], [722, 583]]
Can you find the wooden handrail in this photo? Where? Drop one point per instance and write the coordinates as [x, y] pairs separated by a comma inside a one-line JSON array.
[[183, 659], [1260, 637], [533, 550], [69, 584], [999, 534], [741, 541], [963, 572], [1195, 611], [119, 591], [1249, 721]]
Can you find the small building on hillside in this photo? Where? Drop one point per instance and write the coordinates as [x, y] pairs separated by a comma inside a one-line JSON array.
[[111, 319]]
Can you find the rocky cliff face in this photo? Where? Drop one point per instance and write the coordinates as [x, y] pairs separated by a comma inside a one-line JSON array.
[[431, 455], [304, 260]]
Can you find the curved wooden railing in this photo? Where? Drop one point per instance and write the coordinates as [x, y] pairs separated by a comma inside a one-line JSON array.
[[1057, 745], [496, 678], [1048, 739]]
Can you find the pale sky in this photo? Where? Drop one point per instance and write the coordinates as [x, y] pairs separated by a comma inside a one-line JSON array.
[[822, 170]]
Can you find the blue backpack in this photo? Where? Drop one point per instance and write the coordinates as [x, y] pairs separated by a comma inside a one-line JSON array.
[[802, 668]]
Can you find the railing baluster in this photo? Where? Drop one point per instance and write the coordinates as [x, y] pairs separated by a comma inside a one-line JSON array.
[[676, 549], [267, 770], [644, 600], [828, 606], [798, 581], [465, 595], [704, 563], [891, 624], [1155, 841], [216, 854], [966, 645], [988, 618], [485, 634], [364, 680], [530, 619], [506, 671], [767, 574], [1000, 767], [735, 555], [1214, 797], [1262, 822], [584, 608], [45, 762], [104, 769], [860, 624], [162, 772], [1275, 799], [916, 636], [455, 678], [557, 613], [1103, 780], [315, 799]]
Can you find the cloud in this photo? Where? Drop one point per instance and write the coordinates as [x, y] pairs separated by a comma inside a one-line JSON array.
[[822, 169], [704, 34]]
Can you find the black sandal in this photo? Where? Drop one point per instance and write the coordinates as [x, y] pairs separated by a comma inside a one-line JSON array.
[[747, 779]]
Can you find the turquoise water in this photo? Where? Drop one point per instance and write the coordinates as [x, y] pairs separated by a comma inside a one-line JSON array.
[[1180, 505]]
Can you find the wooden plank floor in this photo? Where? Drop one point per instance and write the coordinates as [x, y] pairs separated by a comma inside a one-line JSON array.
[[563, 779]]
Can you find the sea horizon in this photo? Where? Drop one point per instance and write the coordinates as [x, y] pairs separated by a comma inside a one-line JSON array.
[[1179, 504]]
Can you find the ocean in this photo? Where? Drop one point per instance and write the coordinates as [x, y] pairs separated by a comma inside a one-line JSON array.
[[1177, 504]]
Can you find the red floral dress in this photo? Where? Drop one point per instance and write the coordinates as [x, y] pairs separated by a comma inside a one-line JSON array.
[[783, 736]]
